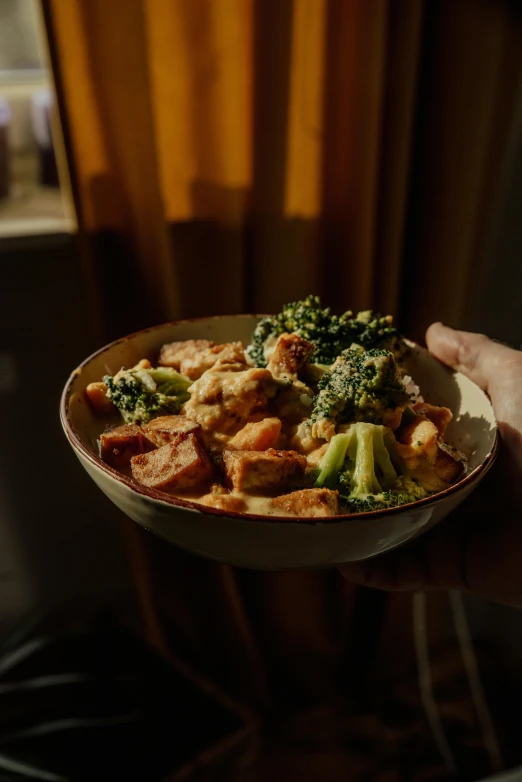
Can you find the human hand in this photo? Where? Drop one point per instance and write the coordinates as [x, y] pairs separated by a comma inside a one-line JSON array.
[[478, 549]]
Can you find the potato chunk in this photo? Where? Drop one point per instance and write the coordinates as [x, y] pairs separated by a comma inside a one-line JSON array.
[[291, 353], [192, 357], [180, 464], [417, 441], [96, 394], [249, 471], [257, 436], [166, 428], [119, 445], [311, 503]]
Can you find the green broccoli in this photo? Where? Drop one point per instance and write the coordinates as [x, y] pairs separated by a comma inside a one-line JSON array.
[[358, 464], [331, 334], [332, 461], [406, 490], [142, 394], [363, 385], [372, 330]]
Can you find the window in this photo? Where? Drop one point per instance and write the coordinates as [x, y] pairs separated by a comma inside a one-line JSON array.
[[31, 200]]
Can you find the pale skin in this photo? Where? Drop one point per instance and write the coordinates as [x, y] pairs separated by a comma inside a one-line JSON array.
[[478, 549]]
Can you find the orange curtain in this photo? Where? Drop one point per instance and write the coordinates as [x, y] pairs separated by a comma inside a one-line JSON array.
[[247, 152], [232, 155]]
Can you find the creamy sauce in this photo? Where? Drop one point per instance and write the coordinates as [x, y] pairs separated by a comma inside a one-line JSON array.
[[252, 503]]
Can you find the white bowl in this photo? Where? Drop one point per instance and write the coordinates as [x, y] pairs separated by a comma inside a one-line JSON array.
[[275, 543]]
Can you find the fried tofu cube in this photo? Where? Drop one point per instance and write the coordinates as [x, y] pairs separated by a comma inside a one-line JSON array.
[[174, 353], [180, 464], [193, 357], [291, 353], [251, 471], [221, 498], [257, 436], [166, 428], [119, 445], [449, 464], [310, 503]]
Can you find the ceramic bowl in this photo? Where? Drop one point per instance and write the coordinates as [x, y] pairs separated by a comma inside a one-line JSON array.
[[275, 543]]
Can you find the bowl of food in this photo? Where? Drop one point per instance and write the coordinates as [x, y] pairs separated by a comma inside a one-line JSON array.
[[289, 442]]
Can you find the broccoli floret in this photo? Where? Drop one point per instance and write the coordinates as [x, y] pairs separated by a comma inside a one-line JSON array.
[[142, 394], [331, 334], [363, 385], [372, 330], [358, 464], [406, 490]]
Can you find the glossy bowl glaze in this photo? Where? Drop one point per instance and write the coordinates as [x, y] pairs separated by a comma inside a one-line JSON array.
[[272, 542]]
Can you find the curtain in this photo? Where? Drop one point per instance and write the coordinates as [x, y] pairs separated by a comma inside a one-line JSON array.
[[233, 155]]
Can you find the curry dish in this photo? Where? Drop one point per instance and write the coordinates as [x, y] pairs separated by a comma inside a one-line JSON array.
[[316, 417]]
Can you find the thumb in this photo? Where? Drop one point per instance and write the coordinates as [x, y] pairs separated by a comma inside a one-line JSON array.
[[475, 355], [496, 368]]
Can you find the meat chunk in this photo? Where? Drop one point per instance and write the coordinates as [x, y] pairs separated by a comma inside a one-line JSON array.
[[119, 445], [250, 471], [257, 436], [440, 416], [166, 428], [291, 353], [180, 464], [311, 503], [193, 357], [226, 396], [221, 498]]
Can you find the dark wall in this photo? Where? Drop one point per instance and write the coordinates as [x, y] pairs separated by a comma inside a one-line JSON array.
[[60, 538]]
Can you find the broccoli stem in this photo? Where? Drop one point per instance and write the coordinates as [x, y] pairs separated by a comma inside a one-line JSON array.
[[332, 461], [382, 458], [162, 375], [361, 451]]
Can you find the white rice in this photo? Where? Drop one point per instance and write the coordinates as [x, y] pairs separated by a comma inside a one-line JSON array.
[[412, 389]]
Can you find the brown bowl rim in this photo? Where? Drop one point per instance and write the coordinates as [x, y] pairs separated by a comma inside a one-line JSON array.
[[179, 502]]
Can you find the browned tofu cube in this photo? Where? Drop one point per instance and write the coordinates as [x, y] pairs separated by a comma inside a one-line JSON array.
[[178, 465], [291, 353], [250, 471], [449, 464], [311, 503], [119, 445], [175, 353], [166, 428], [193, 357]]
